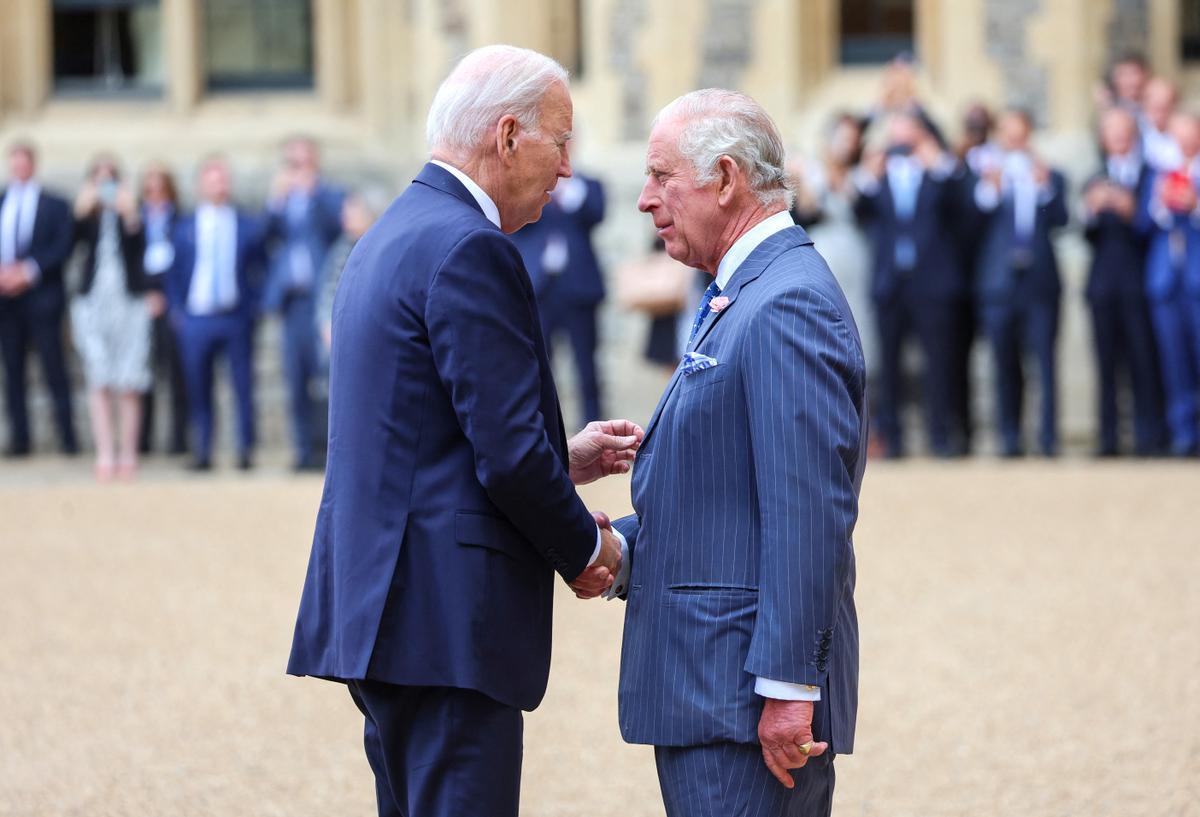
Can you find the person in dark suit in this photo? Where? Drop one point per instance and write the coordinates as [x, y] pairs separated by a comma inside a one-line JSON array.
[[557, 251], [304, 219], [740, 656], [213, 289], [449, 498], [1115, 289], [36, 237], [160, 214], [1168, 217], [1021, 202], [911, 204]]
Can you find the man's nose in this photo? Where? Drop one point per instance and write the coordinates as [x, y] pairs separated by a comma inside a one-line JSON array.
[[644, 200]]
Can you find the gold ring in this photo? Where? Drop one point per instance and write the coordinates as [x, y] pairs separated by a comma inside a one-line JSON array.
[[805, 748]]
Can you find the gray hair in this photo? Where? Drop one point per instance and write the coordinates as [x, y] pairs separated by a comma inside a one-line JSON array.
[[487, 84], [720, 123]]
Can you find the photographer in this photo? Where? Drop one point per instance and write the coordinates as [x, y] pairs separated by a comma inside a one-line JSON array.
[[111, 315]]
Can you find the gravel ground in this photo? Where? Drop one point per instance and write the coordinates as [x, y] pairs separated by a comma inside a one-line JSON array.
[[1031, 645]]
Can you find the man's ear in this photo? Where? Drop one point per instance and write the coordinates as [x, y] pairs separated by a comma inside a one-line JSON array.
[[728, 180], [506, 137]]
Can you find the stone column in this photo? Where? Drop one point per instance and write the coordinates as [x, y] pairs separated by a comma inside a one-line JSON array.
[[333, 20], [183, 37], [32, 59]]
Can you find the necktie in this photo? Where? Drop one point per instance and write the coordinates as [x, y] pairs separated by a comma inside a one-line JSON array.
[[215, 255], [18, 242], [713, 291]]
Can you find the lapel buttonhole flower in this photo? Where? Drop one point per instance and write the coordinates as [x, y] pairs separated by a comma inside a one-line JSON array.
[[718, 303]]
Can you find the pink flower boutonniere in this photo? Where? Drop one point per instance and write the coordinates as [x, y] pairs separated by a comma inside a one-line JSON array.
[[718, 303]]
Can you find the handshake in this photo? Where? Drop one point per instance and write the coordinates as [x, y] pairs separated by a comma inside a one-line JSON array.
[[603, 448], [602, 574]]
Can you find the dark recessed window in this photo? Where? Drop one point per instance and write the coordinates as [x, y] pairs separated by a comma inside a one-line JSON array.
[[875, 31], [107, 46], [1189, 30], [254, 44]]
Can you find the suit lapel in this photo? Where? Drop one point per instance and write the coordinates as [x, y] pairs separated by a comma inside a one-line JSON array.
[[746, 274]]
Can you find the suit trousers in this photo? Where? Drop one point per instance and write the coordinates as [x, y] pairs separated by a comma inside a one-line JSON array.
[[1017, 330], [300, 366], [1124, 339], [165, 361], [440, 751], [35, 319], [201, 340], [731, 780], [936, 324], [1177, 326], [578, 321]]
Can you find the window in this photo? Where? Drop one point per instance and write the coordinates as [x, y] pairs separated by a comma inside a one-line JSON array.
[[1189, 30], [875, 31], [107, 46], [258, 43]]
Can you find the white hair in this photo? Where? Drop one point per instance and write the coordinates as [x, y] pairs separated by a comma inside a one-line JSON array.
[[720, 123], [485, 85]]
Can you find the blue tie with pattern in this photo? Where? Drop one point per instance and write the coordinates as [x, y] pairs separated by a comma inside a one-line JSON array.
[[713, 291]]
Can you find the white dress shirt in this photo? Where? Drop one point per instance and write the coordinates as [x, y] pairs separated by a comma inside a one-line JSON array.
[[734, 257], [492, 212], [16, 225], [214, 286]]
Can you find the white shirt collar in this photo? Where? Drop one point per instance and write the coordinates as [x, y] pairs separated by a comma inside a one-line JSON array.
[[484, 201], [748, 243]]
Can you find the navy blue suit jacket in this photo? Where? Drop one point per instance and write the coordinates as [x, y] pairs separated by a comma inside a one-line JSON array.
[[50, 243], [936, 231], [250, 264], [447, 504], [582, 281], [745, 493], [320, 227], [1167, 277], [996, 279], [1118, 247]]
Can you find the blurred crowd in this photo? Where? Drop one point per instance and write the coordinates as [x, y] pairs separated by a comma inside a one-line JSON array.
[[945, 243], [940, 245], [156, 295]]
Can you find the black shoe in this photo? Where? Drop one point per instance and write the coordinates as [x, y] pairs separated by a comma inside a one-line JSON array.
[[200, 464], [71, 449], [16, 452], [244, 462]]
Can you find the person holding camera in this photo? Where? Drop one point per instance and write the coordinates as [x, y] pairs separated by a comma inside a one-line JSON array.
[[1171, 217], [111, 316]]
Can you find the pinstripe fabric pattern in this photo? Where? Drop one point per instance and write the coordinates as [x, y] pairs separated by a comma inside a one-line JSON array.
[[746, 494], [731, 780]]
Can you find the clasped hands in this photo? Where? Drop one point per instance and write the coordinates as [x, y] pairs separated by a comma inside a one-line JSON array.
[[602, 448], [14, 279]]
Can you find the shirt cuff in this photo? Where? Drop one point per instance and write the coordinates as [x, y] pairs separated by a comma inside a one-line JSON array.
[[987, 197], [33, 272], [864, 181], [621, 580], [785, 691], [596, 552], [571, 193]]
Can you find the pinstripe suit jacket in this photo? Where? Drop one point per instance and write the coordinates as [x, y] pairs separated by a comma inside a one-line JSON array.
[[745, 494]]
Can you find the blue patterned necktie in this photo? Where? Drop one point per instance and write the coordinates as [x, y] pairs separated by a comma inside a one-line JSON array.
[[713, 291]]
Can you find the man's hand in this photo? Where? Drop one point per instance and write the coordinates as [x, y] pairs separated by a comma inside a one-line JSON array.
[[784, 727], [598, 578], [604, 447]]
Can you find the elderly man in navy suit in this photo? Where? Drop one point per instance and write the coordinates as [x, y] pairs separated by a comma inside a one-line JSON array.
[[213, 290], [36, 236], [740, 655], [557, 251], [449, 499]]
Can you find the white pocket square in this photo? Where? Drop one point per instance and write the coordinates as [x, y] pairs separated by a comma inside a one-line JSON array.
[[695, 362]]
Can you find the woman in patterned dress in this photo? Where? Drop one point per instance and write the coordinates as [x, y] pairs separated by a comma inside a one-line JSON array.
[[110, 317]]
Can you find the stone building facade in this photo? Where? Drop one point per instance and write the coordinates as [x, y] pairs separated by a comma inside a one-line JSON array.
[[178, 79]]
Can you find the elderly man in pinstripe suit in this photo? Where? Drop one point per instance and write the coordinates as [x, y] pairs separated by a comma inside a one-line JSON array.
[[740, 655]]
